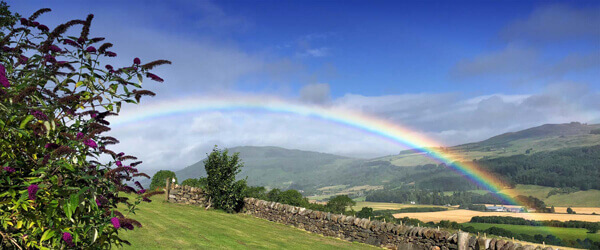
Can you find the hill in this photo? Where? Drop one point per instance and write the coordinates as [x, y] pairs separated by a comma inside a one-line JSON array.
[[547, 137], [314, 172], [176, 226], [279, 167]]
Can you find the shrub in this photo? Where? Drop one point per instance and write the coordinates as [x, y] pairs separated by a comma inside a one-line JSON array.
[[338, 204], [199, 183], [159, 180], [224, 191], [60, 184]]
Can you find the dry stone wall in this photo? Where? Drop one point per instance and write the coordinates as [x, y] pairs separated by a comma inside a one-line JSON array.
[[186, 195], [374, 232]]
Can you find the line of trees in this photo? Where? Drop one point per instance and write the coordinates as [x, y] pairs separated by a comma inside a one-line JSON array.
[[593, 227]]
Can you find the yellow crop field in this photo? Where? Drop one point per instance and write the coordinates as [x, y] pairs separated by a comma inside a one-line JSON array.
[[461, 216], [579, 210]]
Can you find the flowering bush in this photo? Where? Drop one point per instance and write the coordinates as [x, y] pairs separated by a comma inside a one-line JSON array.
[[60, 184]]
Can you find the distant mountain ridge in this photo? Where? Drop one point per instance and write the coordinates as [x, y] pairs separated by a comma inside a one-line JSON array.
[[277, 167]]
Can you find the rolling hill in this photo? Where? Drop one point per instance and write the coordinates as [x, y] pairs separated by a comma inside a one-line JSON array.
[[276, 167]]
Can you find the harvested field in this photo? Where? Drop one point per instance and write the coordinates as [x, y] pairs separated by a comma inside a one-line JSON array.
[[579, 210], [388, 206], [462, 216]]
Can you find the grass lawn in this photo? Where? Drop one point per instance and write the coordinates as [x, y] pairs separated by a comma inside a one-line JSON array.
[[563, 233], [176, 226]]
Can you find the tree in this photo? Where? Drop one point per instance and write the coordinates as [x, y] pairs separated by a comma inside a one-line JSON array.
[[225, 192], [60, 184], [339, 203], [292, 197], [365, 212], [256, 192], [570, 211], [274, 195], [592, 227], [159, 180]]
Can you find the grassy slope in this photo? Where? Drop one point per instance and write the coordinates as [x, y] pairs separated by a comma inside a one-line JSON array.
[[168, 226], [563, 233], [589, 198]]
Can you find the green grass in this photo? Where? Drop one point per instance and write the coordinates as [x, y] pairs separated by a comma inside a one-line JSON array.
[[563, 233], [589, 198], [168, 226]]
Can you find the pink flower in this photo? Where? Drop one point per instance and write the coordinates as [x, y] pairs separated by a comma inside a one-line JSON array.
[[98, 202], [115, 222], [90, 143], [23, 59], [32, 191], [3, 79], [79, 136], [119, 164], [136, 61], [91, 49]]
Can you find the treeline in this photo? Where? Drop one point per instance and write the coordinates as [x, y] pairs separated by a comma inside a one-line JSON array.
[[432, 197], [570, 167], [338, 204], [545, 223]]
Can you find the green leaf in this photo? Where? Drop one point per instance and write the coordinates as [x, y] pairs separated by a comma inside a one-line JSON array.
[[25, 121], [47, 235]]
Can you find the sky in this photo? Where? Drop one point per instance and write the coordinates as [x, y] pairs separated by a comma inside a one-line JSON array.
[[454, 71]]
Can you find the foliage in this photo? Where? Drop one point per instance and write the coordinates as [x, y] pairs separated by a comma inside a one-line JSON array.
[[474, 207], [431, 198], [199, 183], [520, 221], [225, 192], [570, 167], [595, 131], [570, 211], [593, 227], [159, 180], [59, 181], [256, 192], [338, 204], [365, 212]]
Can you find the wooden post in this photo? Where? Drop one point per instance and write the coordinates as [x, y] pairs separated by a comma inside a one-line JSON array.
[[167, 189]]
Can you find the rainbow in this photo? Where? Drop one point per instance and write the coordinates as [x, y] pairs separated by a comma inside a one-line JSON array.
[[364, 122]]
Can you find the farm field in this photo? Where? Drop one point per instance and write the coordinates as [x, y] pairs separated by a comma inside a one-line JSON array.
[[563, 233], [579, 210], [462, 216], [589, 198], [388, 206], [168, 226]]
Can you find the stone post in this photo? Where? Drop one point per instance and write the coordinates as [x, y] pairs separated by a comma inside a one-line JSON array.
[[463, 241], [167, 189]]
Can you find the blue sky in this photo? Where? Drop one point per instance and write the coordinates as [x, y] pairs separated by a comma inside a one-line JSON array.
[[457, 71]]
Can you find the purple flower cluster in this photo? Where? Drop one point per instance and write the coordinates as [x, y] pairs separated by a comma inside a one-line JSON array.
[[137, 61], [115, 222], [79, 136], [90, 143], [91, 49], [32, 191], [3, 80], [7, 169], [68, 238], [54, 48], [154, 77], [39, 115]]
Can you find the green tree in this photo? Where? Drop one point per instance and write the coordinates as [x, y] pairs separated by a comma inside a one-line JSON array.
[[592, 227], [292, 197], [570, 211], [159, 179], [274, 195], [256, 192], [365, 212], [61, 186], [338, 204], [224, 191]]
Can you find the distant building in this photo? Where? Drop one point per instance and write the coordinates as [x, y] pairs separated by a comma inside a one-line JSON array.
[[496, 208], [505, 209]]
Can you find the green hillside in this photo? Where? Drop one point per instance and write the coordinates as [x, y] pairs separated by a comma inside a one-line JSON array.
[[275, 167], [176, 226]]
